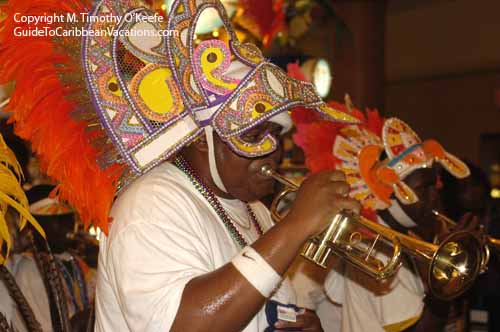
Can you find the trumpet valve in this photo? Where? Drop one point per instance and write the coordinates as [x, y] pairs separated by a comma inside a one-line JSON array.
[[317, 252], [319, 248]]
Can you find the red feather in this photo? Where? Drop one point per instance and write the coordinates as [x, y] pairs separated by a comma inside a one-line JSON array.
[[295, 71], [43, 114], [302, 115], [316, 137], [261, 12], [268, 15], [316, 141], [374, 122]]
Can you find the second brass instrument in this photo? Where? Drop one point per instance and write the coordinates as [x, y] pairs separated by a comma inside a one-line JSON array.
[[489, 242], [452, 265]]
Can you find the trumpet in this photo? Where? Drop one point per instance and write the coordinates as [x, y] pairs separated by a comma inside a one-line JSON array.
[[488, 241], [452, 265]]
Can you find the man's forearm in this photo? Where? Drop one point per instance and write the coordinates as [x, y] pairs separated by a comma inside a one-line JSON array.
[[224, 300]]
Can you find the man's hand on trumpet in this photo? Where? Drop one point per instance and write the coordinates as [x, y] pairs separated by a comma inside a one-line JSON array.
[[468, 223], [319, 198]]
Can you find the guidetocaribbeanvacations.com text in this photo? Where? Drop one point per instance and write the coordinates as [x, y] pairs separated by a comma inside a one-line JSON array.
[[71, 25], [82, 32]]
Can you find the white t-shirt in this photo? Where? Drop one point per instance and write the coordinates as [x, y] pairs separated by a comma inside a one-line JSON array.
[[368, 305], [308, 280], [164, 233]]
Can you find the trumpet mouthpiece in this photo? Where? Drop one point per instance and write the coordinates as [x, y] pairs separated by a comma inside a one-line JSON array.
[[444, 218], [266, 170]]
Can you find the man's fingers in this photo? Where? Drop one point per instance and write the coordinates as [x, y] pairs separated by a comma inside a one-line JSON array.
[[415, 235], [307, 321], [464, 220], [331, 175], [337, 176], [341, 188], [468, 222], [473, 224], [281, 324], [346, 203]]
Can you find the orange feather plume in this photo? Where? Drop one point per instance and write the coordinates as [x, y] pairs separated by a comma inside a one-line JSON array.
[[46, 113]]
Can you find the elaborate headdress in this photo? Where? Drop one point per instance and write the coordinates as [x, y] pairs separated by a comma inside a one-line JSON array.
[[12, 195], [358, 150], [149, 90]]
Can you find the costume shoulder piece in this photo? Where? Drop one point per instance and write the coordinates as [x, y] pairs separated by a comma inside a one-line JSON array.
[[376, 155], [105, 108]]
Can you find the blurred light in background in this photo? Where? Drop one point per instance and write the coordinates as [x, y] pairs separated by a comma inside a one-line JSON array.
[[95, 232], [315, 70], [318, 71]]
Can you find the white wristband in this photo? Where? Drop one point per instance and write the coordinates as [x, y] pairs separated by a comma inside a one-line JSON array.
[[257, 271]]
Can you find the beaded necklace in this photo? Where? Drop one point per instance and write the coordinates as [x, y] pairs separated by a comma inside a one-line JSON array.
[[214, 202]]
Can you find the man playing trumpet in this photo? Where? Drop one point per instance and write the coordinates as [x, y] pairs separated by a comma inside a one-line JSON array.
[[395, 177], [177, 132]]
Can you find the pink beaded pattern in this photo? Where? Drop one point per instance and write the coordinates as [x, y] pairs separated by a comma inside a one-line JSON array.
[[219, 72], [180, 49]]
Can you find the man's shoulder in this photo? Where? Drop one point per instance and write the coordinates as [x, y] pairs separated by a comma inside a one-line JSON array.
[[161, 192], [164, 181]]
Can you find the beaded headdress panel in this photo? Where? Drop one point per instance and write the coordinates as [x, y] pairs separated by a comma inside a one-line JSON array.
[[174, 88], [358, 150], [105, 108]]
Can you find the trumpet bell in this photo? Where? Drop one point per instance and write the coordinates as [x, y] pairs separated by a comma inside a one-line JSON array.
[[487, 241], [454, 265]]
